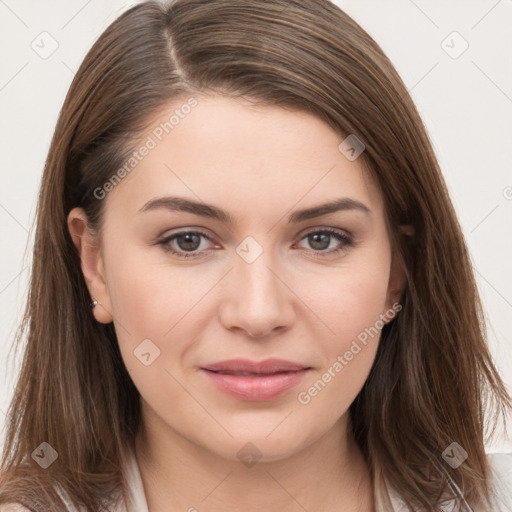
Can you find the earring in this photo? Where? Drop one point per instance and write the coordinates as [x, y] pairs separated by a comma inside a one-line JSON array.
[[94, 304]]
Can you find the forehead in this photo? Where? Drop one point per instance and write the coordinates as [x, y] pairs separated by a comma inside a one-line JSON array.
[[243, 157]]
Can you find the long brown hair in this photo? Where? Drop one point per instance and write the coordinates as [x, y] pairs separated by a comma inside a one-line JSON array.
[[433, 381]]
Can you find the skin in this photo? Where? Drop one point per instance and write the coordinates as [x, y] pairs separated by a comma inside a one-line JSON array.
[[295, 301]]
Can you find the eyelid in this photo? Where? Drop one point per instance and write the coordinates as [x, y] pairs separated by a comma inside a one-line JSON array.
[[167, 238], [324, 229], [342, 235], [183, 231]]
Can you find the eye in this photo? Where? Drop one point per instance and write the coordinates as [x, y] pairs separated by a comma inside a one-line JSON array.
[[321, 239], [186, 244]]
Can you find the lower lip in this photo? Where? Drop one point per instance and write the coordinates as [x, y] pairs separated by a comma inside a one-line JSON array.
[[255, 388]]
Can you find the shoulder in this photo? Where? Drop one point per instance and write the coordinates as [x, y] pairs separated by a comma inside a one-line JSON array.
[[501, 467]]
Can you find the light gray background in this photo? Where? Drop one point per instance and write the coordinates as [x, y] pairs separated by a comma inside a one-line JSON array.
[[465, 100]]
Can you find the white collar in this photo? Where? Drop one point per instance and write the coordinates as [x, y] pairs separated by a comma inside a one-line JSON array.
[[137, 498]]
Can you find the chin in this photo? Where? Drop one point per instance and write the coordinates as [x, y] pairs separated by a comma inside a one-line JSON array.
[[254, 446]]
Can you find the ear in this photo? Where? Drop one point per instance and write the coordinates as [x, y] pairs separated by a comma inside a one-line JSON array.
[[92, 266], [397, 276]]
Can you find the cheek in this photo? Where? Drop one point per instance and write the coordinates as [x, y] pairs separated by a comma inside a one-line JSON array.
[[350, 304], [160, 303], [350, 301], [347, 355], [150, 304], [149, 298]]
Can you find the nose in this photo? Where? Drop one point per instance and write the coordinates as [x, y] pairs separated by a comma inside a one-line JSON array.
[[257, 300]]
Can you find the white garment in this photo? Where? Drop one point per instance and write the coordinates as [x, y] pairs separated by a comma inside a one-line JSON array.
[[501, 465]]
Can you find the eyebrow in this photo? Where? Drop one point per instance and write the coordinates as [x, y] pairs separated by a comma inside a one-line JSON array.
[[181, 204]]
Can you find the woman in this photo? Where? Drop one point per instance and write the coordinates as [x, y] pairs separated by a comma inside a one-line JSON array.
[[250, 290]]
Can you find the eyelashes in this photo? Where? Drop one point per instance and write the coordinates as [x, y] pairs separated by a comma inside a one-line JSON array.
[[189, 236], [195, 237]]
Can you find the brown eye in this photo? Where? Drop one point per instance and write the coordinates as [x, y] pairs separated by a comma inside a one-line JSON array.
[[320, 240], [185, 244], [188, 241]]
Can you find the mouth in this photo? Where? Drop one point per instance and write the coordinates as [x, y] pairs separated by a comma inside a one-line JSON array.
[[255, 381], [246, 374], [268, 366]]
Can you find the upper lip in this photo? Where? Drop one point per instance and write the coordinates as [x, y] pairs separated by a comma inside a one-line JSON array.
[[246, 366]]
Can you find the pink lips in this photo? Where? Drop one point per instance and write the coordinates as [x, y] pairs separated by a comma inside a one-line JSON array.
[[255, 381]]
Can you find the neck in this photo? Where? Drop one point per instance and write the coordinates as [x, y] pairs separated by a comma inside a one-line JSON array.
[[328, 475]]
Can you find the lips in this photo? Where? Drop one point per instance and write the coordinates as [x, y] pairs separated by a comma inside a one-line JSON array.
[[255, 381], [246, 367]]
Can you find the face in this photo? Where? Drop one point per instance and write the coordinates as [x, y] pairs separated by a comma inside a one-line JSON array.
[[213, 249]]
